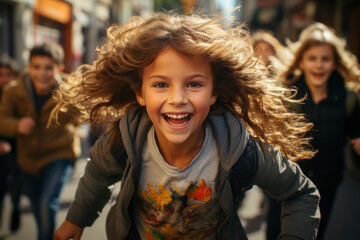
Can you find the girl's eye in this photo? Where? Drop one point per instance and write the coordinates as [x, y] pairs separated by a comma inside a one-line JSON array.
[[194, 84], [311, 58], [160, 85], [326, 59]]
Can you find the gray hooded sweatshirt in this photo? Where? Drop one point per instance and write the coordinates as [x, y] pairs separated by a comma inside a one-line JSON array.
[[239, 161]]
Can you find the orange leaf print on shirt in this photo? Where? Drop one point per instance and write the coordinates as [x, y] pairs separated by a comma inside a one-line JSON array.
[[185, 212], [160, 198], [200, 193]]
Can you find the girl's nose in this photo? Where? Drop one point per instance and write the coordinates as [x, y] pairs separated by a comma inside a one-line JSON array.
[[177, 96], [319, 63]]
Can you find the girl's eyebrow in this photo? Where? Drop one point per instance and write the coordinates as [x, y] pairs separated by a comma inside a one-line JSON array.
[[187, 77], [158, 76], [197, 75]]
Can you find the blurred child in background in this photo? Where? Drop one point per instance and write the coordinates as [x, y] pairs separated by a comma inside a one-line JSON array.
[[46, 154], [322, 71], [10, 177]]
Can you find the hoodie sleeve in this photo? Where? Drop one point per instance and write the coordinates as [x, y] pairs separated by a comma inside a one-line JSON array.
[[93, 192], [284, 181]]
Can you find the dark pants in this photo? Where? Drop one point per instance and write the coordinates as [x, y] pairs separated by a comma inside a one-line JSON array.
[[44, 194], [10, 182]]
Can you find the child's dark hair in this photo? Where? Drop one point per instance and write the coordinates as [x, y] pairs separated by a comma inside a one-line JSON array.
[[49, 49], [6, 61], [106, 89]]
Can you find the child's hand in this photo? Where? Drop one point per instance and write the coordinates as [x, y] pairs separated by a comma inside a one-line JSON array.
[[68, 230], [26, 125], [356, 145], [5, 147]]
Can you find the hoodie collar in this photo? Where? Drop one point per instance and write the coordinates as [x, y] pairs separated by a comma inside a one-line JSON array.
[[229, 132], [231, 137]]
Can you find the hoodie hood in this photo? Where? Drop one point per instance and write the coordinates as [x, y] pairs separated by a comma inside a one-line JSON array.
[[231, 138], [134, 126]]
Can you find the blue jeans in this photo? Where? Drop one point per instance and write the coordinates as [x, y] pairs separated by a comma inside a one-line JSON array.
[[44, 194]]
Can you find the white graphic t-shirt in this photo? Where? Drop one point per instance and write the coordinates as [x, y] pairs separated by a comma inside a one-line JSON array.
[[173, 203]]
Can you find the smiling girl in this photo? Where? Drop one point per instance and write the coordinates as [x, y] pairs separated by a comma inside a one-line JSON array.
[[321, 70], [194, 116]]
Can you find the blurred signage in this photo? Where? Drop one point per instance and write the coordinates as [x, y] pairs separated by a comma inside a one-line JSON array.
[[54, 9]]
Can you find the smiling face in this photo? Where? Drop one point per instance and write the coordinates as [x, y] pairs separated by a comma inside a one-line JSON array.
[[42, 71], [317, 63], [177, 93]]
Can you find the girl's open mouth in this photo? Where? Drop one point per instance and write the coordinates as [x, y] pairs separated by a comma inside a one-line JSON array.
[[318, 75], [177, 119]]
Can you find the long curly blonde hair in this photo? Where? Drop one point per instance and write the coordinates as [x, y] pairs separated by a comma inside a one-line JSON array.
[[316, 34], [104, 90]]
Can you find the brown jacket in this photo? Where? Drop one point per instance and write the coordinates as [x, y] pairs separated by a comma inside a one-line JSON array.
[[43, 145]]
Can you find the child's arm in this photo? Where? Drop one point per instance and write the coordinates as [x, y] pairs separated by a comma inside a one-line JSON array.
[[68, 230], [8, 121], [93, 191], [26, 125], [284, 181], [11, 123]]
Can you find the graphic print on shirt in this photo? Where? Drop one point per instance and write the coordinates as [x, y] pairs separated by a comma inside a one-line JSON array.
[[178, 214]]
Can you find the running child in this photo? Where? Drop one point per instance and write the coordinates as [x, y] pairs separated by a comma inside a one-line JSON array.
[[195, 119]]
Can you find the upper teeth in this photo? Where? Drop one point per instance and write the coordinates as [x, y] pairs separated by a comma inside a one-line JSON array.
[[178, 116]]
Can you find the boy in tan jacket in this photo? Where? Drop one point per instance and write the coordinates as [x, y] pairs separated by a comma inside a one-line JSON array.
[[45, 154]]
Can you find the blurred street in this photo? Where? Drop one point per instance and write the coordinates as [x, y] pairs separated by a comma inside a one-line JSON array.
[[251, 214]]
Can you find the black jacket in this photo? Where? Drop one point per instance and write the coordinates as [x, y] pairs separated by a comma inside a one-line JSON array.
[[332, 125]]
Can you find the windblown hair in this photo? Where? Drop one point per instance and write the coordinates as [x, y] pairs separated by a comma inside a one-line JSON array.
[[317, 34], [105, 90]]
